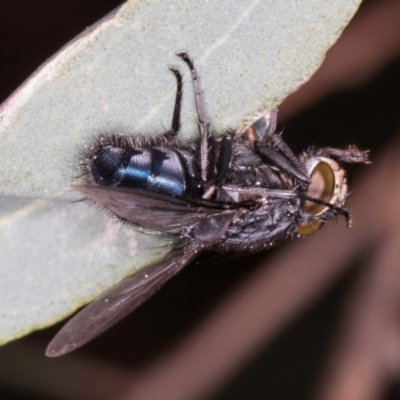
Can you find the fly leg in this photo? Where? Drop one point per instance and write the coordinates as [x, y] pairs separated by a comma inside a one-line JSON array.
[[350, 155], [284, 148], [204, 134], [277, 141], [225, 160], [281, 162], [338, 209], [176, 117], [273, 149], [215, 191]]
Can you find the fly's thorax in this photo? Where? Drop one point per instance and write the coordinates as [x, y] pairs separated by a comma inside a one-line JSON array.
[[329, 184], [250, 170]]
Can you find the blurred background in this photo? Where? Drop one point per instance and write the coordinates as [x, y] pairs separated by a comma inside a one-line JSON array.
[[316, 318]]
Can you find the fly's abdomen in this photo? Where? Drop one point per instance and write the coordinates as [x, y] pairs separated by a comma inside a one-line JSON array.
[[163, 170]]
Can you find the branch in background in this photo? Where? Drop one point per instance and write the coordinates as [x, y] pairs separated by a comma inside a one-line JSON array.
[[367, 45], [367, 355]]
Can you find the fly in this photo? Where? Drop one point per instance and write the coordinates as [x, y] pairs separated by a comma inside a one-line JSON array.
[[229, 193]]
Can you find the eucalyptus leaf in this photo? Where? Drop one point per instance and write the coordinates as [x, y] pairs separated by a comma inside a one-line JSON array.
[[58, 255]]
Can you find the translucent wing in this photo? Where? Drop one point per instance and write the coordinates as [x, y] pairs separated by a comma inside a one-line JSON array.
[[149, 209], [115, 303]]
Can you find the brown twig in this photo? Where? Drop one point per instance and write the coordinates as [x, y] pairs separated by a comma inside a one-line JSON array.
[[369, 43], [367, 354]]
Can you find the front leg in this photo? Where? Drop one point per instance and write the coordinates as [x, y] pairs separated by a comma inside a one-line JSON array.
[[274, 150], [279, 161], [350, 155]]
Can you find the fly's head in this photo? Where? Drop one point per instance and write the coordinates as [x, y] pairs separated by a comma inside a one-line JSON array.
[[316, 177], [325, 196]]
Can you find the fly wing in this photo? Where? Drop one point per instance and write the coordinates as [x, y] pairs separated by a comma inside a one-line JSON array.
[[149, 209], [116, 303]]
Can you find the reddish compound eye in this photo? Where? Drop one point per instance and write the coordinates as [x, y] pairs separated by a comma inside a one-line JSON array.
[[327, 184], [322, 187]]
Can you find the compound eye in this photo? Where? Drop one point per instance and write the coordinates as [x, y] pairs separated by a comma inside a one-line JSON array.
[[306, 229], [322, 187]]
